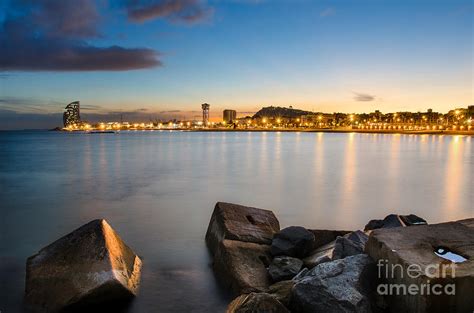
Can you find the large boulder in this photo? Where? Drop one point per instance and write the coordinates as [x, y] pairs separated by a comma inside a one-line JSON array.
[[242, 266], [323, 236], [241, 223], [87, 267], [284, 268], [256, 303], [406, 257], [336, 286], [294, 241]]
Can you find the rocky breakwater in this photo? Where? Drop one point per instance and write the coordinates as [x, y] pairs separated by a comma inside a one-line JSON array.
[[304, 270], [89, 268]]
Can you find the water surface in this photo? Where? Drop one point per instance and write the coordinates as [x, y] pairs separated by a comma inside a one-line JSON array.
[[158, 189]]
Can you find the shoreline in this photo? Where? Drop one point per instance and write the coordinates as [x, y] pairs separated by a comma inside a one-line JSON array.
[[363, 131], [288, 130]]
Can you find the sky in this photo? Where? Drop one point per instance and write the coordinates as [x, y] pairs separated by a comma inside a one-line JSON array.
[[159, 59]]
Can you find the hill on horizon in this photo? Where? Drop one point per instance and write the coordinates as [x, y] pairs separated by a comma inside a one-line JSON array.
[[272, 112]]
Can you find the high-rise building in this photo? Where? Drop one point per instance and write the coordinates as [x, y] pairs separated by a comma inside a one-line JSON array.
[[229, 116], [205, 113], [72, 114]]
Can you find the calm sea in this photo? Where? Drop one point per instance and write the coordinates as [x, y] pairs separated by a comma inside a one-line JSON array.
[[158, 190]]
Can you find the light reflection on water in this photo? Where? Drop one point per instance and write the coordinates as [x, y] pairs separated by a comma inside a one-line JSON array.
[[158, 190]]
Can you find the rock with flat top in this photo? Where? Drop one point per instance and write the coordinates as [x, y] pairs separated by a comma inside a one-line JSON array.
[[411, 251], [236, 222], [242, 266], [337, 286], [256, 303], [88, 267], [284, 268], [294, 241]]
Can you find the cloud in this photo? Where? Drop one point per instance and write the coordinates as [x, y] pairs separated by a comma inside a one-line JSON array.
[[363, 97], [49, 35], [327, 12], [188, 11]]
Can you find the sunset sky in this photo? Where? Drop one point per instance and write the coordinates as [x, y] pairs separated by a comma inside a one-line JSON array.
[[157, 59]]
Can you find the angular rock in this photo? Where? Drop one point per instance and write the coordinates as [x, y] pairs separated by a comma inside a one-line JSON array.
[[407, 255], [412, 220], [345, 247], [87, 267], [294, 241], [241, 223], [242, 266], [323, 236], [256, 303], [284, 268], [336, 286], [282, 291]]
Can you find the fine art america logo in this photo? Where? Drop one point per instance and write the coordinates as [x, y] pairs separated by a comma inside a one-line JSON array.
[[416, 279]]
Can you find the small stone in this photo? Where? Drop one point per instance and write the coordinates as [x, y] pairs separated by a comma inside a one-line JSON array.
[[256, 303], [294, 241], [284, 268]]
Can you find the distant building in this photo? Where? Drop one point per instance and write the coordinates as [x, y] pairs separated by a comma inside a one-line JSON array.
[[205, 113], [72, 114], [229, 116]]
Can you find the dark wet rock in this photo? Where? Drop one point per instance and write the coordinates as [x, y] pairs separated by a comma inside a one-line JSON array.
[[358, 237], [390, 221], [284, 268], [241, 223], [336, 286], [323, 236], [242, 266], [282, 291], [412, 220], [86, 268], [414, 247], [295, 241], [345, 247], [256, 303]]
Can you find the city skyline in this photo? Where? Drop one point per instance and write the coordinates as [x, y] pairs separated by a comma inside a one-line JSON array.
[[160, 60]]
